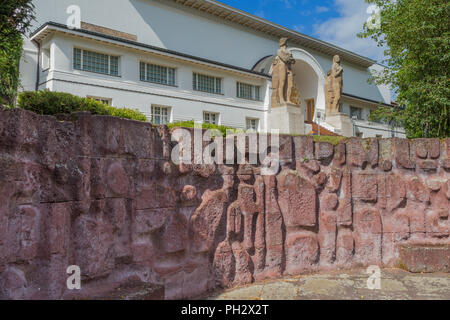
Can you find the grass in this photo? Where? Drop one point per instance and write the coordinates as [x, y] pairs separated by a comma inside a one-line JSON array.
[[334, 140], [191, 123]]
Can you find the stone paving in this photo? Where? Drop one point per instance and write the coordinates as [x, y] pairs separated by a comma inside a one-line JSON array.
[[396, 284]]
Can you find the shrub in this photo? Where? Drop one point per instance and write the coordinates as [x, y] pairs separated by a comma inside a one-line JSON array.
[[53, 103], [10, 53], [16, 17], [190, 124], [334, 140]]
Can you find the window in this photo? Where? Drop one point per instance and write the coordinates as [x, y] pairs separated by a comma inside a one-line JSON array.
[[160, 115], [45, 59], [247, 91], [157, 74], [355, 112], [107, 101], [210, 117], [204, 83], [252, 124], [95, 62], [309, 110]]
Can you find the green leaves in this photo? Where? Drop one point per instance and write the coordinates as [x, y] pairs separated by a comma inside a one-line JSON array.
[[417, 34], [209, 126], [15, 20], [53, 103]]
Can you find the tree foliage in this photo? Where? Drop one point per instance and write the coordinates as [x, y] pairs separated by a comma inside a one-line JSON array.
[[15, 19], [416, 35]]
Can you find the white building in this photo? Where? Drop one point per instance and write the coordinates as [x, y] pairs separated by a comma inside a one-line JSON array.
[[188, 60]]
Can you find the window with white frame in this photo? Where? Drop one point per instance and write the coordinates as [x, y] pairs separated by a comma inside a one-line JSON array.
[[157, 74], [211, 117], [248, 91], [45, 59], [355, 112], [107, 101], [205, 83], [252, 124], [160, 114], [95, 62]]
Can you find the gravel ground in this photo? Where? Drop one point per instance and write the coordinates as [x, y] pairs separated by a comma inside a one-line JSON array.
[[396, 284]]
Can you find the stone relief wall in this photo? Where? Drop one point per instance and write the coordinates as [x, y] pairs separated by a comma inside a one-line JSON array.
[[101, 193]]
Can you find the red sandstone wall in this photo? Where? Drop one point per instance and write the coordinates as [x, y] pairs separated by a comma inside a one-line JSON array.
[[101, 193]]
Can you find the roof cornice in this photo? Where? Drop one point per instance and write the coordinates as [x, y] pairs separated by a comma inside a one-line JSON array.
[[248, 20], [50, 27]]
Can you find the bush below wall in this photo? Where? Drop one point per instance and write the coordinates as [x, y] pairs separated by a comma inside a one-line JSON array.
[[191, 124], [53, 103]]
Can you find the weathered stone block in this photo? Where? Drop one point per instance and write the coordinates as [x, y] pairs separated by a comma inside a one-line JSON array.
[[417, 191], [94, 246], [402, 154], [365, 187], [149, 220], [368, 235], [296, 199], [206, 220], [362, 152], [175, 235], [324, 150], [302, 252]]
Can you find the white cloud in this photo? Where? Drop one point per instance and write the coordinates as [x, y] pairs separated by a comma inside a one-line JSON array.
[[289, 3], [342, 31], [260, 14], [320, 9], [299, 28], [305, 13]]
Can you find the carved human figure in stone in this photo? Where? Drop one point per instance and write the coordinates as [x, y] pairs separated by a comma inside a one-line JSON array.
[[282, 76], [333, 86]]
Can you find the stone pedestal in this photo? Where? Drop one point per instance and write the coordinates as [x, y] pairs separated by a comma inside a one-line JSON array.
[[288, 118], [341, 122]]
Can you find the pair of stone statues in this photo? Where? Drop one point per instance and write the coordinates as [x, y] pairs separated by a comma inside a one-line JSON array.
[[284, 90]]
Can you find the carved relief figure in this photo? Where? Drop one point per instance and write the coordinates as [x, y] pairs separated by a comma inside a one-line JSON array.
[[282, 77], [333, 86]]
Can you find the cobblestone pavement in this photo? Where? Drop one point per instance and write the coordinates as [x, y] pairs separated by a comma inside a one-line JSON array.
[[396, 284]]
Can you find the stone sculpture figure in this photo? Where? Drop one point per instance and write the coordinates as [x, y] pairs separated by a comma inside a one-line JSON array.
[[282, 76], [333, 87]]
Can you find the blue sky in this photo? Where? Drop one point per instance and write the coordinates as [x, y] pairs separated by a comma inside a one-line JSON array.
[[334, 21]]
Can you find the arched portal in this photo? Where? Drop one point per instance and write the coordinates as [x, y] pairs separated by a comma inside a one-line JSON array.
[[309, 78]]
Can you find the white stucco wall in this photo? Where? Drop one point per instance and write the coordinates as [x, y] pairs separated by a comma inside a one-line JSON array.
[[167, 25], [128, 91], [28, 66]]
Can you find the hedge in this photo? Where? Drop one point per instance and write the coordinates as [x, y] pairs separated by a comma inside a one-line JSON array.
[[190, 124], [53, 103]]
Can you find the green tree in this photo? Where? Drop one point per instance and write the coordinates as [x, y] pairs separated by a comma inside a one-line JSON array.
[[416, 35], [15, 19]]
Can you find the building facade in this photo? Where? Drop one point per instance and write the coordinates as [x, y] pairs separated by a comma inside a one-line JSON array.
[[177, 60]]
